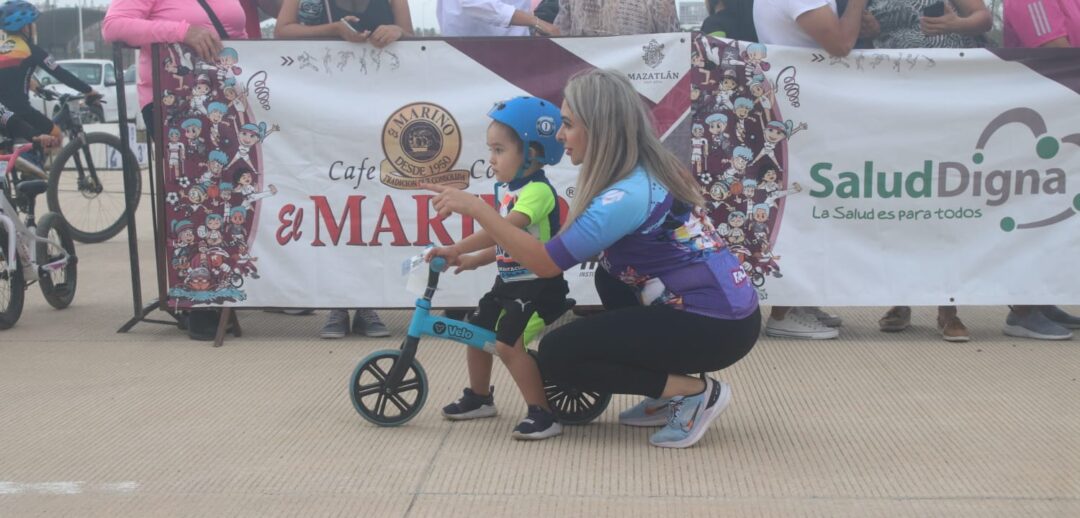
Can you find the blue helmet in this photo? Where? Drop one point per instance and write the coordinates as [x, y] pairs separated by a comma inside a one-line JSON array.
[[16, 14], [534, 120]]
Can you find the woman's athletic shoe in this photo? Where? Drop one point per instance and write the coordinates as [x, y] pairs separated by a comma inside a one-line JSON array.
[[471, 406], [691, 416], [649, 412], [538, 424]]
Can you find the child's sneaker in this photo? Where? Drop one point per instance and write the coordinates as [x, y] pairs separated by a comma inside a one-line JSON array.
[[691, 415], [538, 424], [471, 406], [649, 412]]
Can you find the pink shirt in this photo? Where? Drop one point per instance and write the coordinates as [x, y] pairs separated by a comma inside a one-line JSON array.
[[1032, 23], [142, 22]]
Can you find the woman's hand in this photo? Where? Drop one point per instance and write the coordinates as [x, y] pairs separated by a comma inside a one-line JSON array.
[[454, 201], [347, 33], [869, 27], [543, 28], [945, 24], [385, 35], [204, 41]]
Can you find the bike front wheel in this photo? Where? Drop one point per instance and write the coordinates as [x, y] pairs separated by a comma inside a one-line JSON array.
[[377, 402], [57, 285], [86, 186], [12, 284]]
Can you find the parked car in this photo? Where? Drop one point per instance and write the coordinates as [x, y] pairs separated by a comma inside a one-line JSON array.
[[99, 74]]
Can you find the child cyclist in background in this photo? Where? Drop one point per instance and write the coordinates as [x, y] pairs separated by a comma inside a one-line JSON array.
[[521, 139], [19, 56]]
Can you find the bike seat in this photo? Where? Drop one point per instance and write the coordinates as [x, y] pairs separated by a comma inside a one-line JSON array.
[[32, 188]]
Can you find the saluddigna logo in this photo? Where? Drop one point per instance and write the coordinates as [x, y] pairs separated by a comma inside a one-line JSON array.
[[952, 179], [422, 142]]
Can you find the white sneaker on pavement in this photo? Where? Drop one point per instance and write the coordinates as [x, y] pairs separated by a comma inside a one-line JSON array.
[[798, 323]]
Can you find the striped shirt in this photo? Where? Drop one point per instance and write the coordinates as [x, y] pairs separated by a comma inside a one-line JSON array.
[[1033, 23], [616, 17]]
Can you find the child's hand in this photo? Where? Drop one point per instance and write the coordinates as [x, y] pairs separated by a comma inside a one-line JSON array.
[[446, 252], [469, 262]]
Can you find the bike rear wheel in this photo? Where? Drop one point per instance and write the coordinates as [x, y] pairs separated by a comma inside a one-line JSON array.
[[12, 284], [573, 406], [58, 286], [86, 186]]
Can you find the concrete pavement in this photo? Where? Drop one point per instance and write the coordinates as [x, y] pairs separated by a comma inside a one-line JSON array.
[[149, 423]]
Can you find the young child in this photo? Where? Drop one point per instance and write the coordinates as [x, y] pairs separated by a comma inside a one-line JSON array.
[[521, 139], [20, 57]]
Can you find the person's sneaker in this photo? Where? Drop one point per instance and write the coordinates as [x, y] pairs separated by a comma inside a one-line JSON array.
[[1036, 325], [797, 324], [294, 312], [471, 406], [366, 322], [1060, 317], [337, 324], [898, 318], [649, 412], [824, 317], [690, 416], [538, 424], [952, 329]]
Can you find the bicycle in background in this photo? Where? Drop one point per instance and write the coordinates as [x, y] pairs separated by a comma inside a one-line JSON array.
[[30, 252], [86, 177]]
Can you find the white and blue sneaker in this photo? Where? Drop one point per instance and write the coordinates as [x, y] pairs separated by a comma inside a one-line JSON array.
[[690, 416], [471, 406], [538, 424], [649, 412]]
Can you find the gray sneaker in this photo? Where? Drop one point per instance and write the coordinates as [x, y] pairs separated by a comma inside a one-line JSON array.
[[1034, 325], [824, 317], [366, 321], [1060, 317], [337, 324]]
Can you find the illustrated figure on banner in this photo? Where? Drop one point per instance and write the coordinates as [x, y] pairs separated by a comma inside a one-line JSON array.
[[738, 149], [214, 175]]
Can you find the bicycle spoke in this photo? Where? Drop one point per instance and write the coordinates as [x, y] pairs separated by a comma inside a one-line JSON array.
[[401, 405], [413, 384], [380, 405], [369, 389]]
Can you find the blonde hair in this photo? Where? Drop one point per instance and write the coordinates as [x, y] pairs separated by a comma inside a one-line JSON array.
[[620, 136]]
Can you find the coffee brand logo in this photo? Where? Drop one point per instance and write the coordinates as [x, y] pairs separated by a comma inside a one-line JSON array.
[[422, 143]]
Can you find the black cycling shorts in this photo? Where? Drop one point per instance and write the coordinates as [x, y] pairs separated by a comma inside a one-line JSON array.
[[507, 308]]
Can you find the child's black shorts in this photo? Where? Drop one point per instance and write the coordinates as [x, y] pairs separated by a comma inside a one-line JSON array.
[[519, 300]]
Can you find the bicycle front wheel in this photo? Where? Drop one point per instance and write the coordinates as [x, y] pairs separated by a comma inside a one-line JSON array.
[[58, 285], [11, 284], [86, 186]]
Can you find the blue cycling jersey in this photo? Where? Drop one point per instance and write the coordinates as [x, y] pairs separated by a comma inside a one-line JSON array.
[[668, 251]]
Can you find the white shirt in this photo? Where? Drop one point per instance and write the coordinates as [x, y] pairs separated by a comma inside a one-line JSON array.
[[775, 21], [481, 17]]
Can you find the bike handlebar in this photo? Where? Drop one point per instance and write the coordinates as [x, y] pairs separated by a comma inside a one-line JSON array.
[[52, 95], [438, 264]]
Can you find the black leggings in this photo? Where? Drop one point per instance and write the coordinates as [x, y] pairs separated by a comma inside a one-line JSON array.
[[633, 350]]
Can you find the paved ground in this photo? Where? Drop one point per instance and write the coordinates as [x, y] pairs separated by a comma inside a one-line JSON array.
[[149, 423]]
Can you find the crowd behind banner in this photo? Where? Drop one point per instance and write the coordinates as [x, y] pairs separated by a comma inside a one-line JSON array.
[[836, 27]]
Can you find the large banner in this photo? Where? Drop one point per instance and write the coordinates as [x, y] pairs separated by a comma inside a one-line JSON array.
[[291, 169]]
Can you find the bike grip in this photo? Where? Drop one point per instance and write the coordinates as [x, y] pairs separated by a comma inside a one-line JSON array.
[[438, 264]]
